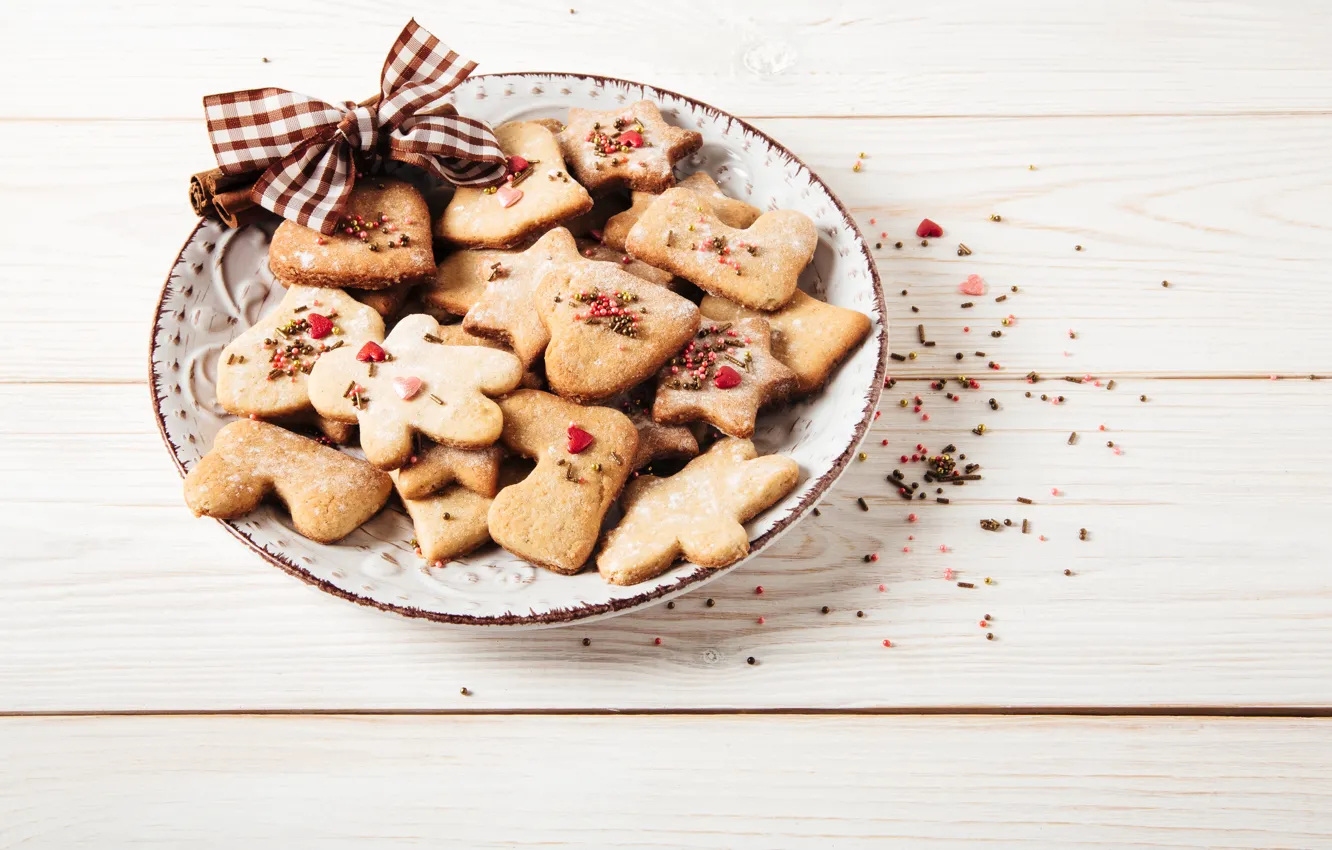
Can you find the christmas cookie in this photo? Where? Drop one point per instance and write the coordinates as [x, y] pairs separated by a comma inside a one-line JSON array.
[[609, 330], [538, 193], [757, 266], [696, 514], [265, 371], [329, 494], [412, 384], [583, 454], [631, 147], [383, 238], [722, 377], [433, 467], [457, 335], [605, 254], [809, 336], [449, 523], [731, 212]]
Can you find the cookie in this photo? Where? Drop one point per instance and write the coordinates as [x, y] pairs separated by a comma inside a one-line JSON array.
[[722, 377], [386, 302], [809, 336], [605, 254], [631, 147], [383, 238], [265, 371], [552, 517], [609, 330], [538, 194], [731, 212], [328, 494], [412, 384], [457, 335], [657, 441], [696, 514], [447, 524], [335, 432], [593, 222], [434, 467], [757, 267]]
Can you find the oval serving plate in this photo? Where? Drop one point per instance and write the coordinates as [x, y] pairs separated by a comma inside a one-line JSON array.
[[220, 285]]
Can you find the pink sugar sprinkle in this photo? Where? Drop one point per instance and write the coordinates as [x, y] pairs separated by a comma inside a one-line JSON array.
[[1054, 491], [943, 547], [966, 329], [925, 417], [1101, 427], [761, 621], [948, 573], [906, 548], [912, 517], [887, 642], [882, 588], [1042, 538], [872, 221]]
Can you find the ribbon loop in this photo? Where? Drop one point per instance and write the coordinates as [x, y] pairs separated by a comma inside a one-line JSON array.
[[310, 149]]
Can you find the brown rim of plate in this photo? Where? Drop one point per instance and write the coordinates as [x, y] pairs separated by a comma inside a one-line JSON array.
[[563, 616]]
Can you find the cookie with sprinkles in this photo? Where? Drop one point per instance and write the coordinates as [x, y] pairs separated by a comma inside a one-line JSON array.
[[434, 467], [731, 212], [758, 266], [696, 514], [609, 330], [328, 494], [414, 384], [537, 193], [808, 335], [552, 518], [448, 523], [722, 377], [265, 371], [631, 147], [382, 239]]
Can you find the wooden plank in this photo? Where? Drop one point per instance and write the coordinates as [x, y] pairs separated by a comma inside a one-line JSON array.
[[116, 598], [633, 782], [757, 58], [1233, 211]]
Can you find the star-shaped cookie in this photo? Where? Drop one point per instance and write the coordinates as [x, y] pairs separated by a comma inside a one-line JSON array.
[[731, 212], [538, 193], [383, 238], [553, 516], [609, 330], [631, 147], [697, 513], [810, 336], [265, 371], [758, 266], [414, 383], [722, 377]]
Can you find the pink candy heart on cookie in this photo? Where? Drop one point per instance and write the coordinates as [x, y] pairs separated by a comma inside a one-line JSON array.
[[508, 196], [407, 387]]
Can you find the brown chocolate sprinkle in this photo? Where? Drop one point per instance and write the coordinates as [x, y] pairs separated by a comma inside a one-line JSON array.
[[860, 500], [929, 343], [751, 661], [941, 500], [1082, 534], [963, 250], [1001, 299], [1111, 384], [1073, 379], [1024, 500], [432, 338], [965, 584], [920, 332], [671, 605], [1026, 526], [994, 405], [1072, 437], [989, 635], [710, 603], [587, 641], [898, 245], [966, 304], [990, 524], [898, 357], [996, 217], [1142, 398], [1068, 572], [915, 309], [959, 357], [436, 399], [996, 334]]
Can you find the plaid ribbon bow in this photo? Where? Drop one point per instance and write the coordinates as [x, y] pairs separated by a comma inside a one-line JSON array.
[[309, 149]]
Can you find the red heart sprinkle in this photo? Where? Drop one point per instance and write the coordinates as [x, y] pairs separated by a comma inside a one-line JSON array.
[[517, 163], [632, 138], [371, 352], [320, 326], [578, 439], [929, 230], [726, 378]]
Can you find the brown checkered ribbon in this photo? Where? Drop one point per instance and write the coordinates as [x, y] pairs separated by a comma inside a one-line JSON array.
[[310, 150]]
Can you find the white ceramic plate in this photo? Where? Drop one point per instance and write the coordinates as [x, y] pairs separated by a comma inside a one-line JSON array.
[[220, 285]]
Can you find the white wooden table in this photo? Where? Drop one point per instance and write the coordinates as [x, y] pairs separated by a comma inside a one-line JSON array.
[[162, 686]]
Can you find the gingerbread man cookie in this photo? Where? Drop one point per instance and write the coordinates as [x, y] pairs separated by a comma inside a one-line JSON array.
[[538, 193], [758, 266], [449, 523], [697, 513], [631, 147], [552, 517], [809, 336], [609, 330], [414, 383], [265, 371], [382, 239], [731, 212], [328, 494], [434, 467], [722, 377]]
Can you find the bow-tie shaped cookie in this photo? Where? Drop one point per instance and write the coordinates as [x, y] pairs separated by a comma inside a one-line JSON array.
[[758, 266], [329, 494], [412, 384], [696, 513], [609, 330], [583, 454]]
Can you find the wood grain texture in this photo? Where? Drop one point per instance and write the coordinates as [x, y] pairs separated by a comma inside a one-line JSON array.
[[1203, 580], [957, 57], [635, 782]]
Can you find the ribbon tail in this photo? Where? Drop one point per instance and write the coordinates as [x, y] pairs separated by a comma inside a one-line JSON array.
[[461, 150]]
